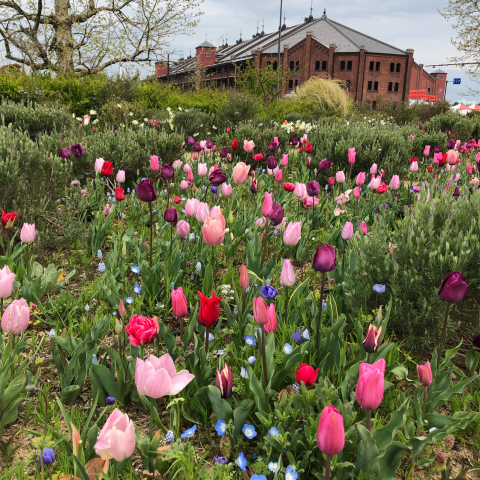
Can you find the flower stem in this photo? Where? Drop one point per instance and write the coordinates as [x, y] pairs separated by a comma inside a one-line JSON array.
[[442, 339], [151, 232], [320, 308], [368, 420], [425, 397], [328, 467], [207, 340], [286, 303], [264, 357], [171, 241]]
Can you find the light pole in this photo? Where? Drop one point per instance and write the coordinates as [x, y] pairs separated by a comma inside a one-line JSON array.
[[279, 41]]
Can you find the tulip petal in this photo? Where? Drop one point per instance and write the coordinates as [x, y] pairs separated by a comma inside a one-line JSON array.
[[180, 381]]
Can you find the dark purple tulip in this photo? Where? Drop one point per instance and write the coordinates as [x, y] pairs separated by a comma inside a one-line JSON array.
[[313, 188], [64, 153], [454, 288], [456, 192], [167, 171], [77, 150], [217, 177], [451, 144], [209, 144], [420, 126], [437, 149], [224, 152], [272, 162], [254, 185], [146, 192], [324, 165], [191, 140], [476, 341], [469, 144], [273, 146], [276, 214], [171, 216], [325, 258], [294, 141], [197, 147]]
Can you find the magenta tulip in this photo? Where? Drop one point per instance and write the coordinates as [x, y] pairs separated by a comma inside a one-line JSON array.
[[267, 204], [425, 374], [325, 259], [351, 155], [364, 228], [371, 383], [330, 432], [454, 288]]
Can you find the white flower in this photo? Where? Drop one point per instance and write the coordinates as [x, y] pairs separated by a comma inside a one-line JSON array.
[[134, 122], [118, 105], [145, 119], [78, 119], [95, 121], [180, 108], [141, 125], [93, 112], [131, 114]]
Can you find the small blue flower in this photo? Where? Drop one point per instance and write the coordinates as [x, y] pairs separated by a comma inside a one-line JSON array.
[[221, 427], [94, 358], [129, 300], [214, 189], [101, 267], [198, 267], [110, 400], [114, 312], [243, 373], [252, 359], [324, 305], [220, 352], [268, 292], [242, 461], [167, 244], [272, 466], [191, 277], [290, 473], [99, 254], [220, 460], [128, 190], [273, 432], [135, 269], [379, 288], [48, 457], [210, 336], [51, 333], [249, 340], [87, 308], [254, 456], [287, 348], [306, 334], [246, 230], [154, 210], [275, 233], [248, 289], [172, 285], [191, 237], [249, 315], [137, 289], [169, 437], [268, 281], [249, 431], [189, 432], [297, 337]]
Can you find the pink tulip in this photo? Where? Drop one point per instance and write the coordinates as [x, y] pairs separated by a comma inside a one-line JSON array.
[[331, 181], [121, 176], [186, 168], [330, 431], [469, 168], [157, 377], [271, 325], [260, 222], [212, 169], [83, 191], [287, 277], [425, 374], [177, 164], [360, 178], [457, 143], [309, 161], [426, 151], [226, 189], [117, 438], [213, 230], [154, 164], [184, 185], [292, 233], [413, 166], [106, 209], [203, 211], [370, 384], [364, 228], [203, 143], [272, 172], [373, 169], [195, 155], [452, 157], [240, 173], [248, 146], [347, 231], [179, 302], [27, 235], [375, 182], [244, 278], [183, 229], [275, 139], [202, 169], [260, 311], [395, 182], [267, 204], [279, 176], [16, 316], [190, 176], [356, 192], [310, 201], [191, 207], [214, 148], [300, 191], [99, 164], [448, 167], [340, 176], [6, 282], [215, 210], [351, 155], [284, 161]]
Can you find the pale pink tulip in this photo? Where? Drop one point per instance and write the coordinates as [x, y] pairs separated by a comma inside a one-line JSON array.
[[287, 277], [395, 182], [240, 173], [373, 169], [340, 176], [213, 230], [226, 189], [154, 164], [191, 207], [292, 233], [183, 229], [214, 211], [375, 182], [121, 176], [413, 166], [202, 169], [117, 438], [310, 201], [284, 161], [426, 151], [452, 157], [267, 204], [177, 164], [360, 178], [300, 191], [260, 222], [16, 316], [203, 211], [186, 168], [27, 234], [99, 164], [347, 231], [248, 146], [6, 282], [184, 185], [203, 143], [272, 172]]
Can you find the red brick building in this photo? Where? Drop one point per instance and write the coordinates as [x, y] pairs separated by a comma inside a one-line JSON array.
[[367, 67]]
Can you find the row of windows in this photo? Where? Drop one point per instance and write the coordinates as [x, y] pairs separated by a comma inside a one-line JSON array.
[[391, 86], [376, 66], [343, 63]]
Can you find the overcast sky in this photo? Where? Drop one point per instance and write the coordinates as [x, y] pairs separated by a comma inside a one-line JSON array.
[[403, 24]]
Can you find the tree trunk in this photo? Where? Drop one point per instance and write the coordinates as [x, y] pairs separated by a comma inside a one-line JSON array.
[[63, 42]]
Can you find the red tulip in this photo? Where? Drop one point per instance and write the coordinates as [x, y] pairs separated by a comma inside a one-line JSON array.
[[306, 374], [208, 313], [107, 169], [234, 144], [260, 311], [308, 148], [119, 195]]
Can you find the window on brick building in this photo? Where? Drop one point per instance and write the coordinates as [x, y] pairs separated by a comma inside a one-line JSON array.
[[369, 86], [372, 64], [296, 83], [292, 65], [298, 66], [390, 86], [349, 65], [441, 77], [428, 89], [374, 105], [342, 65], [274, 65], [377, 67], [439, 90], [399, 66], [269, 63], [208, 54], [324, 65], [375, 86], [392, 67], [290, 84], [396, 87], [317, 65]]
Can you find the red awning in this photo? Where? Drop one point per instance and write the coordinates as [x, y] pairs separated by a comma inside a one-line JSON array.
[[464, 107]]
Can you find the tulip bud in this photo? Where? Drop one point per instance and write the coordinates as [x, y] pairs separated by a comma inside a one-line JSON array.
[[372, 338], [347, 231], [224, 381], [440, 460], [121, 309], [356, 192], [244, 278], [425, 374]]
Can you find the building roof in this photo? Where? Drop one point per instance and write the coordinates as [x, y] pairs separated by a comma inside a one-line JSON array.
[[438, 70], [206, 44], [325, 31]]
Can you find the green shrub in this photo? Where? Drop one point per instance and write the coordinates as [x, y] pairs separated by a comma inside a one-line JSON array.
[[115, 113], [239, 108], [463, 127], [195, 122]]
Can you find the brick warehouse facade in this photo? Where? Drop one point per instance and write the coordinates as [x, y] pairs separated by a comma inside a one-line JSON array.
[[367, 67]]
